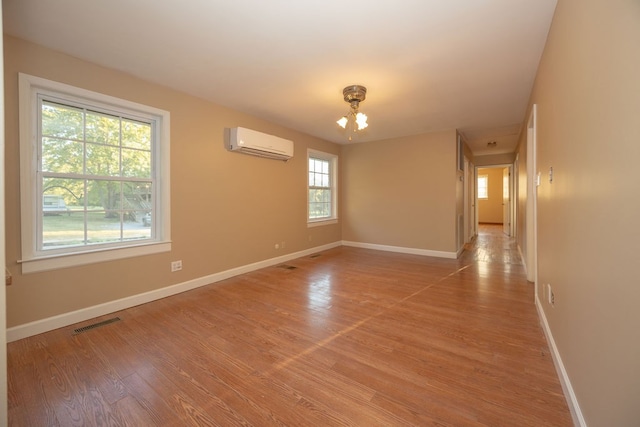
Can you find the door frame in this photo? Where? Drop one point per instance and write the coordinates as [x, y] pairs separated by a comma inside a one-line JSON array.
[[470, 213], [531, 220], [512, 186], [507, 211]]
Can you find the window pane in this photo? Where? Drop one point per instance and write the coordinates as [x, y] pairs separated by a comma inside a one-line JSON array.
[[483, 181], [142, 192], [325, 167], [61, 156], [104, 196], [135, 201], [69, 193], [103, 227], [61, 225], [53, 204], [137, 232], [319, 203], [103, 160], [61, 230], [103, 128], [136, 163], [319, 175], [61, 121], [136, 135]]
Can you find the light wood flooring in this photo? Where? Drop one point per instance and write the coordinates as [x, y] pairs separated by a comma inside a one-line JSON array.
[[351, 337]]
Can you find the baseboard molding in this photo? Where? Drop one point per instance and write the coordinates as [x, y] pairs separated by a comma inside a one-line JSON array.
[[40, 326], [572, 401], [412, 251]]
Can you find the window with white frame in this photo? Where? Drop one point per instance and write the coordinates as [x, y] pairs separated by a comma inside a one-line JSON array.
[[483, 186], [322, 184], [94, 176]]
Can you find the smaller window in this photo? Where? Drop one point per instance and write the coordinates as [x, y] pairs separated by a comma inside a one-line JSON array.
[[483, 186], [322, 186]]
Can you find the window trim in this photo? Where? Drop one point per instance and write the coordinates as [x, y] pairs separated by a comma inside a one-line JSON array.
[[30, 87], [333, 170]]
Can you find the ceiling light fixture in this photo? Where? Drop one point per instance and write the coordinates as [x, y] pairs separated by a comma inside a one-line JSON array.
[[356, 120]]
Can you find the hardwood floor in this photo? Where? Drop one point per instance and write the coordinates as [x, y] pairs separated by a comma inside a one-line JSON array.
[[350, 337]]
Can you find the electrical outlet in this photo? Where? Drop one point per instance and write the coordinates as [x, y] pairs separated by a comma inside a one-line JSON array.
[[282, 245], [550, 296], [176, 266]]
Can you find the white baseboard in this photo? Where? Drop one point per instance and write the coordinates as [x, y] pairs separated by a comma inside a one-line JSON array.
[[33, 328], [572, 401], [412, 251]]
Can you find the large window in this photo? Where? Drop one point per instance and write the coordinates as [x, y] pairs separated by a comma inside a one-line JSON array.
[[94, 179], [322, 188]]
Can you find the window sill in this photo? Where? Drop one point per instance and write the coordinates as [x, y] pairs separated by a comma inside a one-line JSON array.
[[320, 222], [55, 262]]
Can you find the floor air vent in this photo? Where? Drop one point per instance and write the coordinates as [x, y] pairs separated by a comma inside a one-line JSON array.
[[94, 325], [287, 267], [315, 256]]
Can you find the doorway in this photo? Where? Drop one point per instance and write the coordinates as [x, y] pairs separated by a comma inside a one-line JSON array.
[[495, 189]]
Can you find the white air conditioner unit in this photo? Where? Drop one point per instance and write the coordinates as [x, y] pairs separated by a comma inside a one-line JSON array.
[[256, 143]]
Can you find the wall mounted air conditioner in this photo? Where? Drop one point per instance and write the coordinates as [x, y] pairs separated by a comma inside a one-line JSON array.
[[256, 143]]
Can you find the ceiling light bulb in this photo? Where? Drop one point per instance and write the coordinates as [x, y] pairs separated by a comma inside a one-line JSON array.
[[343, 122], [361, 120]]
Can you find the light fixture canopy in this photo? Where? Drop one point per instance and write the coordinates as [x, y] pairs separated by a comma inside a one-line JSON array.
[[354, 95]]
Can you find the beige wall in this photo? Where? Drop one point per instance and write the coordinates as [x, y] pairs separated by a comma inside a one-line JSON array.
[[490, 210], [494, 159], [228, 209], [402, 192], [587, 93]]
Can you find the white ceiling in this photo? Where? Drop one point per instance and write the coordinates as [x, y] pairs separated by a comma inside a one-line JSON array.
[[428, 65]]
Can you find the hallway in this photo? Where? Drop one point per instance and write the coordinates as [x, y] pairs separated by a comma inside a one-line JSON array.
[[492, 245]]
